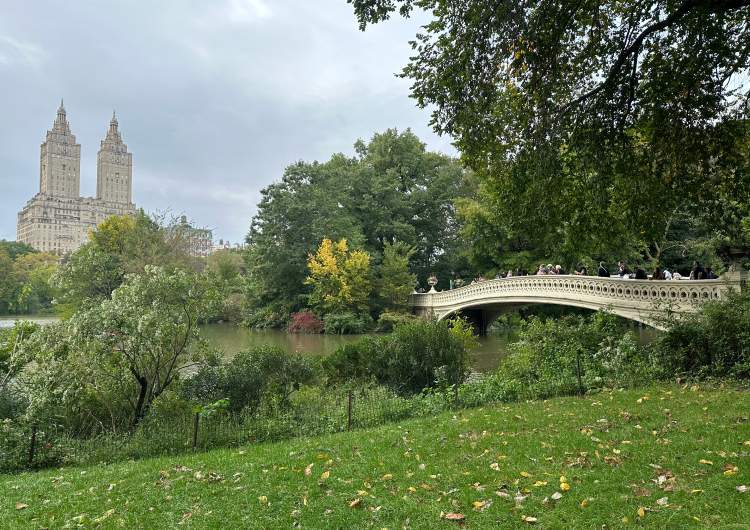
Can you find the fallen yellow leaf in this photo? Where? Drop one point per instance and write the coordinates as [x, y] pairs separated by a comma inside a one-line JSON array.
[[565, 486], [706, 462], [325, 474], [641, 512]]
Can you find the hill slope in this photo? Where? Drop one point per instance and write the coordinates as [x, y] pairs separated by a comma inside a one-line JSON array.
[[662, 457]]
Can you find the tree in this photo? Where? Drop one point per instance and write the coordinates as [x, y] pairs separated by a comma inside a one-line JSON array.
[[7, 282], [340, 278], [393, 189], [589, 123], [33, 272], [107, 364], [120, 245], [395, 282], [226, 265], [15, 249]]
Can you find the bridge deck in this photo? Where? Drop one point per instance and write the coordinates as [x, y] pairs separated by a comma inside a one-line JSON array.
[[639, 300]]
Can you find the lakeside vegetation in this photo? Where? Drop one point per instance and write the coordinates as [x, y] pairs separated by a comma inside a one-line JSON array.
[[577, 146]]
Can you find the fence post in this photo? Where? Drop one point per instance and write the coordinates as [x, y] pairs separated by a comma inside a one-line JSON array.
[[32, 445], [349, 412], [578, 371], [196, 420]]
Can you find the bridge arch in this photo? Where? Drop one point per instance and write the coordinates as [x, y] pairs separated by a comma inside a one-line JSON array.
[[638, 300]]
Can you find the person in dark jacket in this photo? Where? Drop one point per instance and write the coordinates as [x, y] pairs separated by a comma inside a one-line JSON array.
[[640, 274], [622, 269], [697, 272], [603, 272]]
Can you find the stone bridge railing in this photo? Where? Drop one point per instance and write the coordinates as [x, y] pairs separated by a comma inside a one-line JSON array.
[[640, 300]]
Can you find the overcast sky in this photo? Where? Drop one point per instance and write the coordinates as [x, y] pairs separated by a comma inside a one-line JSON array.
[[214, 98]]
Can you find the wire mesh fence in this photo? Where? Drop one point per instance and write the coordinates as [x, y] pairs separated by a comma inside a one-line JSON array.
[[314, 413]]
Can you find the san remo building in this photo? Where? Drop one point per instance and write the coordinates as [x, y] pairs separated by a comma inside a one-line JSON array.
[[58, 219]]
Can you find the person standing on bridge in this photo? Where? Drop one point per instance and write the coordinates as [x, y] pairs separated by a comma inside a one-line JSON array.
[[603, 272], [622, 269]]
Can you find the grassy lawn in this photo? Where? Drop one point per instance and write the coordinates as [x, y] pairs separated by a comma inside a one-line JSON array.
[[661, 457]]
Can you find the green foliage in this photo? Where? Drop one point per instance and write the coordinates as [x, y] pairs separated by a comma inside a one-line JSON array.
[[577, 120], [417, 355], [392, 190], [712, 342], [394, 282], [549, 355], [120, 245], [347, 323], [225, 270], [25, 279], [103, 368], [265, 376], [389, 320]]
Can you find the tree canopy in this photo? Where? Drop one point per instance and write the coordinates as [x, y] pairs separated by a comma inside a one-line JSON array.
[[591, 124], [392, 190]]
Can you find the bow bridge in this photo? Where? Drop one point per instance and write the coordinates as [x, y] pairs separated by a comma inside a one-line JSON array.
[[640, 300]]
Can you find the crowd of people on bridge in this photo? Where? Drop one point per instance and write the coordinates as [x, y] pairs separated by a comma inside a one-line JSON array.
[[697, 272]]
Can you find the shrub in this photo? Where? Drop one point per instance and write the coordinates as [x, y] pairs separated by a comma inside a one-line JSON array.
[[391, 319], [546, 358], [713, 342], [263, 376], [347, 323], [305, 322], [351, 361], [417, 355]]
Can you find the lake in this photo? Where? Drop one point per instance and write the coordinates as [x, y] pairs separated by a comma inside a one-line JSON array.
[[231, 339]]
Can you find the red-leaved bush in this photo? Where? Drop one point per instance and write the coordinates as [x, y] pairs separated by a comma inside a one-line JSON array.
[[305, 322]]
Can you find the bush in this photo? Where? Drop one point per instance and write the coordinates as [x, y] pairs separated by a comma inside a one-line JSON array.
[[305, 322], [390, 319], [351, 361], [263, 376], [713, 342], [545, 359], [415, 356], [270, 316], [347, 323]]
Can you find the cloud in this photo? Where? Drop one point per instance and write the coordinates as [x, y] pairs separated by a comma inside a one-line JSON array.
[[214, 99], [18, 52]]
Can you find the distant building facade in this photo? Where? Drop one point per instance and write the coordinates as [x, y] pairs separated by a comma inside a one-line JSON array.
[[58, 219], [198, 242]]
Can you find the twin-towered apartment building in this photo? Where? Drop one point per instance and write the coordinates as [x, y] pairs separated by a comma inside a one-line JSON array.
[[58, 219]]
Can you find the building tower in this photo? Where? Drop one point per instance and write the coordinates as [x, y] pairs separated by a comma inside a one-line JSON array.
[[114, 168], [60, 160]]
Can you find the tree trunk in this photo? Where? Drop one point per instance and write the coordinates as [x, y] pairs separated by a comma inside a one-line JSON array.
[[140, 407]]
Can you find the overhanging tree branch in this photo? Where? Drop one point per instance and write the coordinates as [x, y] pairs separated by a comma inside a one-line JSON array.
[[634, 48]]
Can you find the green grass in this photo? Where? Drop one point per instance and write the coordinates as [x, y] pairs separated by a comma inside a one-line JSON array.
[[612, 449]]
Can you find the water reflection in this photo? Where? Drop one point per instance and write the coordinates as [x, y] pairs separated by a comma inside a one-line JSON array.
[[231, 339]]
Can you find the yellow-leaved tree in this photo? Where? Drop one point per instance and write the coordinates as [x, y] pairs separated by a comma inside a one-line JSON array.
[[340, 278]]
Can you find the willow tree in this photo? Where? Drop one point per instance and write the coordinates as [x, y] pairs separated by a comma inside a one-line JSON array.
[[594, 124]]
